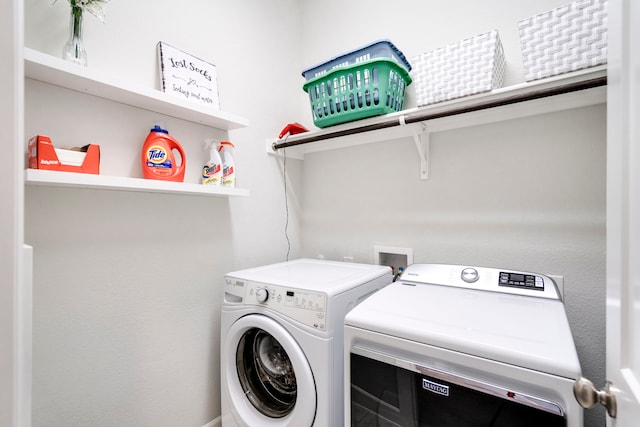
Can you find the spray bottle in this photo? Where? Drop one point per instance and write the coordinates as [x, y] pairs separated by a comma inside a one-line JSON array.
[[229, 171], [212, 170]]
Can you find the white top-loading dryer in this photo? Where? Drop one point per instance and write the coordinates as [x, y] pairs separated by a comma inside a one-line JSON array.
[[450, 345]]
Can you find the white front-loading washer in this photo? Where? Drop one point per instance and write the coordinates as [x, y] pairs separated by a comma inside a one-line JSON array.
[[449, 345], [282, 340]]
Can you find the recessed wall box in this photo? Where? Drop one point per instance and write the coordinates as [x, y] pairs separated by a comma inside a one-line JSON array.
[[393, 256]]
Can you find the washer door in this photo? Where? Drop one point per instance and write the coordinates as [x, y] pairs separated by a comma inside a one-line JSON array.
[[269, 379]]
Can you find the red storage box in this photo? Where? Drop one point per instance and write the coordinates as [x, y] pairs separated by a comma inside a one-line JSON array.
[[42, 155]]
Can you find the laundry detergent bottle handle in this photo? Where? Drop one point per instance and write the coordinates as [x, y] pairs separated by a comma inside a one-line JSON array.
[[158, 159]]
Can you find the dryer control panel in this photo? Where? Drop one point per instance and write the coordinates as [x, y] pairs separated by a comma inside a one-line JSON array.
[[304, 306], [483, 278]]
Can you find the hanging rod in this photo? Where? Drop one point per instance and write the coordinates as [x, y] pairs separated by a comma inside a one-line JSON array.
[[421, 117]]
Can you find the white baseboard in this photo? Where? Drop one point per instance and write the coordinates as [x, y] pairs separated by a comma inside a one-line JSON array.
[[217, 422], [24, 347]]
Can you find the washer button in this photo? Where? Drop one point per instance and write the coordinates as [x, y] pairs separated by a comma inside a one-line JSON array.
[[470, 275]]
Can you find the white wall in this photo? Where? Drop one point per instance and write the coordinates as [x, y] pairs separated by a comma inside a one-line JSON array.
[[126, 317], [128, 285], [524, 194]]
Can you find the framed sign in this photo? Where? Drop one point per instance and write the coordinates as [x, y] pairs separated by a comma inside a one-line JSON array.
[[187, 77]]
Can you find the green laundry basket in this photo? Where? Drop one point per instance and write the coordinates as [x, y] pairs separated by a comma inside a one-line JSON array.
[[355, 92]]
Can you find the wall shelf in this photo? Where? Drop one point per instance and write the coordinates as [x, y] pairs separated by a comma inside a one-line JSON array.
[[56, 71], [119, 183], [567, 91]]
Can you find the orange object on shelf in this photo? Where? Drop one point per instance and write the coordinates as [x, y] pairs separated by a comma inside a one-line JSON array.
[[158, 159], [43, 155]]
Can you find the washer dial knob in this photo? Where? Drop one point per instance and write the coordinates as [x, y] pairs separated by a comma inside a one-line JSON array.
[[470, 275], [262, 295]]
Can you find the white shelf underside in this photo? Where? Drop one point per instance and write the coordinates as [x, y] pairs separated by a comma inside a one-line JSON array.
[[120, 183]]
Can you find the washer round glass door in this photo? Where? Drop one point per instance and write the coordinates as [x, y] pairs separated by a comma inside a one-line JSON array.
[[266, 374], [266, 367]]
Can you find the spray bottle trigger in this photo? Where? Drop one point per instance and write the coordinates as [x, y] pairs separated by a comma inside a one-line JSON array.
[[292, 129]]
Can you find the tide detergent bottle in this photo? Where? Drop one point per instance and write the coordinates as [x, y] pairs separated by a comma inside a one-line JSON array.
[[158, 158]]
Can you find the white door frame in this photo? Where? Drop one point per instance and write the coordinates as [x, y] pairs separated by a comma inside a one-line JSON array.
[[15, 367], [623, 210]]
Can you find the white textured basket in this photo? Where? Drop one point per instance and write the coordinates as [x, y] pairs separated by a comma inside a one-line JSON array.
[[470, 66], [568, 38]]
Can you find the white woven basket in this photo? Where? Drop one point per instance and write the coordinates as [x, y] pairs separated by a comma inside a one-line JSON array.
[[470, 66], [568, 38]]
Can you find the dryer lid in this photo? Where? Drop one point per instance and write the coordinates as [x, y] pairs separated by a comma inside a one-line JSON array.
[[527, 332]]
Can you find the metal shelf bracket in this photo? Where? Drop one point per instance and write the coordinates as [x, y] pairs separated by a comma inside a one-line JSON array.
[[421, 138]]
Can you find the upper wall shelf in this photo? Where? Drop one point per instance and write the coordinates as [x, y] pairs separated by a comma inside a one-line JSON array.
[[567, 91], [56, 71]]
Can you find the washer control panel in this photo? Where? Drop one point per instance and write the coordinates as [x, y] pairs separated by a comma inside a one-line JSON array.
[[304, 306], [482, 278]]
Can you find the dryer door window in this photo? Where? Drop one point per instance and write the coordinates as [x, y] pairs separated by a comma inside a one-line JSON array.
[[266, 373], [388, 394]]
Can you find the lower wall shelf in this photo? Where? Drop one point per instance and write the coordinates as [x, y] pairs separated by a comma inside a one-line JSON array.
[[120, 183]]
